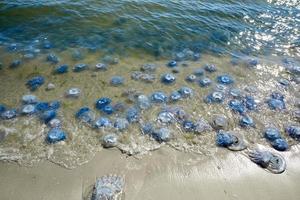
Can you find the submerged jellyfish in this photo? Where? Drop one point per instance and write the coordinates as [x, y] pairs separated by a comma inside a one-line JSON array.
[[272, 134], [80, 67], [276, 102], [201, 126], [84, 114], [175, 96], [29, 99], [165, 117], [168, 79], [220, 122], [15, 64], [132, 114], [280, 144], [102, 102], [108, 188], [237, 106], [101, 66], [108, 109], [225, 79], [210, 68], [293, 131], [185, 92], [35, 82], [162, 134], [198, 72], [103, 122], [54, 123], [191, 78], [52, 58], [247, 121], [172, 63], [117, 80], [28, 109], [121, 124], [2, 108], [204, 82], [159, 97], [149, 67], [42, 106], [250, 103], [230, 141], [214, 97], [252, 63], [274, 163], [143, 102], [224, 139], [236, 93], [55, 135], [110, 140], [48, 115], [188, 126], [61, 69], [9, 114], [147, 128]]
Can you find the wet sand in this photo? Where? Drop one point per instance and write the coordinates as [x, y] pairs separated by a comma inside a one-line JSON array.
[[163, 174]]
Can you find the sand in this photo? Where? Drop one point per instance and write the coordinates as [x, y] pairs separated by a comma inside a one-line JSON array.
[[163, 174]]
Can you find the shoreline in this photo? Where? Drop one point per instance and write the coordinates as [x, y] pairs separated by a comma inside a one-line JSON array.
[[162, 174]]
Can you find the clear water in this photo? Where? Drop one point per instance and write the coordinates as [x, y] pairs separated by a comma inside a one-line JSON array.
[[139, 32]]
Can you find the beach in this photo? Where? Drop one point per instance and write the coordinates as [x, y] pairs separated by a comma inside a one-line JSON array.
[[164, 174]]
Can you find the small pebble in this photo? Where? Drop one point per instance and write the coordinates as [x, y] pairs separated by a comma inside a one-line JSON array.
[[50, 86]]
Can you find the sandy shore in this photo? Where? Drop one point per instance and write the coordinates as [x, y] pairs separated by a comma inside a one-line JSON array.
[[164, 174]]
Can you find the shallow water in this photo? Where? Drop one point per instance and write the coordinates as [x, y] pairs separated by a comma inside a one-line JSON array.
[[226, 34]]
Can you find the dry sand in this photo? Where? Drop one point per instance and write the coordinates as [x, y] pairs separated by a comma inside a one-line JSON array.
[[164, 174]]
